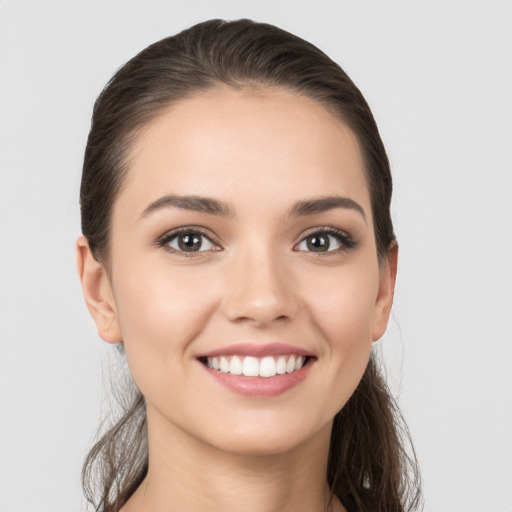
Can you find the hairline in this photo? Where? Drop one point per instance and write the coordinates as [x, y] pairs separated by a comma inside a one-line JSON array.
[[128, 140]]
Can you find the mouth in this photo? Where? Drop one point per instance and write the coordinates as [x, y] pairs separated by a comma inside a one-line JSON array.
[[256, 370], [251, 366]]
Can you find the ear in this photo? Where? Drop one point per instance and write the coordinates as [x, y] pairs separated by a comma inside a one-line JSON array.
[[97, 292], [384, 301]]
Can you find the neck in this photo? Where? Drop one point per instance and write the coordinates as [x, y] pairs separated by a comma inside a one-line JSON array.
[[186, 474]]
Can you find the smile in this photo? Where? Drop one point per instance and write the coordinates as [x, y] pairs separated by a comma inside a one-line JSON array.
[[250, 366], [258, 370]]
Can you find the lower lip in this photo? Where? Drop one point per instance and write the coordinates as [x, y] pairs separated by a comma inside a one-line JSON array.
[[260, 386]]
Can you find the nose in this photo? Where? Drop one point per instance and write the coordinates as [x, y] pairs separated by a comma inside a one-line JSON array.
[[260, 289]]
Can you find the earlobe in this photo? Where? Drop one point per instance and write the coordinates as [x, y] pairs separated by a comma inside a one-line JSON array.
[[388, 269], [97, 292]]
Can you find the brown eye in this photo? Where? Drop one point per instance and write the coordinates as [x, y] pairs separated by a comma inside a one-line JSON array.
[[190, 242], [318, 243], [326, 240]]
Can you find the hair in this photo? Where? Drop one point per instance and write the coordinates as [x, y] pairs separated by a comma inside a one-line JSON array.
[[372, 465]]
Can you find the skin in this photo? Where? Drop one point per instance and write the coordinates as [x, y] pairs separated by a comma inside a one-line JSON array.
[[259, 152]]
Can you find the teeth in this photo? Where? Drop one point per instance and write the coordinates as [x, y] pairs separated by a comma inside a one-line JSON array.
[[249, 366], [281, 366], [224, 365], [236, 367], [290, 365], [267, 367]]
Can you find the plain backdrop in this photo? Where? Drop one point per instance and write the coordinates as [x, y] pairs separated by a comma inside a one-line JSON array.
[[438, 76]]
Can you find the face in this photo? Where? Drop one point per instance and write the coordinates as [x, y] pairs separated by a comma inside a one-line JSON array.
[[244, 279]]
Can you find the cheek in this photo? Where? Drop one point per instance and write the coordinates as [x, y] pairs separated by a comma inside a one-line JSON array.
[[343, 310], [159, 315]]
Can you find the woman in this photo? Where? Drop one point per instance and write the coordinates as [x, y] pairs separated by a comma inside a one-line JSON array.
[[237, 243]]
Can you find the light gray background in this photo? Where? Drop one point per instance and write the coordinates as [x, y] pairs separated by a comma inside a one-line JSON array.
[[438, 76]]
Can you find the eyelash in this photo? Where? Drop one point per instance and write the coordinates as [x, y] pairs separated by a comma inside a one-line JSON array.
[[345, 240], [168, 237]]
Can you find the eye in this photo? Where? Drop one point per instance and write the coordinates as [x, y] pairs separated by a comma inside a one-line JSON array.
[[188, 242], [326, 240]]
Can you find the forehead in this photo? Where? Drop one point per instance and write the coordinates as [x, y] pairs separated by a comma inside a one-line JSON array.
[[246, 143]]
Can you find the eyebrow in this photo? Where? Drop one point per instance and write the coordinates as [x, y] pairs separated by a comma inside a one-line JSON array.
[[215, 207], [193, 203], [323, 204]]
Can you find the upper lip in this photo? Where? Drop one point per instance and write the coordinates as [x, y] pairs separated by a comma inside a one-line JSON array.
[[257, 350]]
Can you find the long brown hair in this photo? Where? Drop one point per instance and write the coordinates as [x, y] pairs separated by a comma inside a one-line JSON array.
[[371, 466]]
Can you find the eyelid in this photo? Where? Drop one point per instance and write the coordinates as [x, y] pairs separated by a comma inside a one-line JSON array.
[[163, 240], [346, 240]]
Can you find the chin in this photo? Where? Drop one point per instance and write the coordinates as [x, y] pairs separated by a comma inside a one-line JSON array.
[[267, 438]]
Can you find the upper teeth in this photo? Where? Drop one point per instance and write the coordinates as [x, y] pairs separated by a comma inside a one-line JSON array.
[[253, 367]]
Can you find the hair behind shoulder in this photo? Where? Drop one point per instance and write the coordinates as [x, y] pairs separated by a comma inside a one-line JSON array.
[[369, 466]]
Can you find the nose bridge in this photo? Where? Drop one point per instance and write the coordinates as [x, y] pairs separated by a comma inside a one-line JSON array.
[[259, 288]]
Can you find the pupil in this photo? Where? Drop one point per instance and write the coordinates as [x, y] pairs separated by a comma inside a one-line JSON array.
[[189, 242], [318, 243]]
